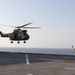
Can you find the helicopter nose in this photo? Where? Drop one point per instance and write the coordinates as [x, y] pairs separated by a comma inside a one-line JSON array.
[[27, 37]]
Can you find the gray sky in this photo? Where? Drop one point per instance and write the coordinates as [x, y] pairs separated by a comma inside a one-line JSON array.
[[55, 17]]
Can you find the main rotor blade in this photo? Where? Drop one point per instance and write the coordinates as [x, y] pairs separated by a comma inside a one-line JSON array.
[[24, 25], [32, 27], [7, 25]]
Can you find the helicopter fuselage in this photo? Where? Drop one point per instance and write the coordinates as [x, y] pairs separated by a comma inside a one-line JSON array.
[[17, 35]]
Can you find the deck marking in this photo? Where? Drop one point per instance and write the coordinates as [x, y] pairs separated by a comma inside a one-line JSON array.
[[70, 68], [27, 59], [29, 74]]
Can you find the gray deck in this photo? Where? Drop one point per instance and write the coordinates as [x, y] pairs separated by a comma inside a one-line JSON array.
[[40, 64]]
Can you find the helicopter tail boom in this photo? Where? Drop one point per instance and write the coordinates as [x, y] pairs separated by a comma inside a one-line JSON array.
[[3, 35]]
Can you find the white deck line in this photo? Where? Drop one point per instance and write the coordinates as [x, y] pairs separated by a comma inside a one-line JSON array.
[[29, 74], [27, 59], [70, 68]]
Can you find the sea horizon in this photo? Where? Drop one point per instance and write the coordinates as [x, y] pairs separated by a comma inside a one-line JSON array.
[[62, 51]]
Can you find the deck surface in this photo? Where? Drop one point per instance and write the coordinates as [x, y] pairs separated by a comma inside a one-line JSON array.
[[36, 64]]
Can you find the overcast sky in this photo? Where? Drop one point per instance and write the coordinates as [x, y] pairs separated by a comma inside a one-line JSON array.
[[55, 17]]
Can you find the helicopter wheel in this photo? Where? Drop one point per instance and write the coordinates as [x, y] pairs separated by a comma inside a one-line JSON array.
[[18, 42], [24, 42], [11, 41]]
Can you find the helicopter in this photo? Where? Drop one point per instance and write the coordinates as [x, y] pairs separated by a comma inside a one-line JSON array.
[[73, 48], [18, 34]]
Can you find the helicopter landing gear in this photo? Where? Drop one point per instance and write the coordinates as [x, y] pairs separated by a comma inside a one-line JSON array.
[[24, 42], [18, 42], [11, 41]]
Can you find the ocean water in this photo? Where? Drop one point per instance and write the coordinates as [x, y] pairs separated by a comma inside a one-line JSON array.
[[62, 51]]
